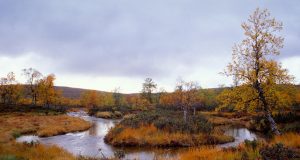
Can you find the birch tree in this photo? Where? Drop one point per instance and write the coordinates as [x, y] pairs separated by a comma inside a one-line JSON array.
[[253, 64]]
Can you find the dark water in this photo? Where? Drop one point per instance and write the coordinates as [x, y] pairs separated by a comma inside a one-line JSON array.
[[91, 142]]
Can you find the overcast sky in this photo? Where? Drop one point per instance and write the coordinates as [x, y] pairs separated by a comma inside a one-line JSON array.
[[104, 44]]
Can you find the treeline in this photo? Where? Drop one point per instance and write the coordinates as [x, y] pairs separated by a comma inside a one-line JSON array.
[[39, 90], [187, 96]]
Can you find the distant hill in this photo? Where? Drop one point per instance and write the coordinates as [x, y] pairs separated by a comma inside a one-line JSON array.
[[70, 92]]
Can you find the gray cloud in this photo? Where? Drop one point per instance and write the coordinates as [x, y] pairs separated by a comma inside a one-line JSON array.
[[132, 37]]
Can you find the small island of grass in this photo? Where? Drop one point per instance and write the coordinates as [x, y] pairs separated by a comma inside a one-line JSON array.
[[165, 128]]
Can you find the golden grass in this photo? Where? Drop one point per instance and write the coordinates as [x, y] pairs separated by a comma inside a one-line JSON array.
[[288, 139], [151, 136], [36, 152], [109, 115], [219, 120], [210, 153], [226, 118], [29, 123], [33, 123], [215, 153]]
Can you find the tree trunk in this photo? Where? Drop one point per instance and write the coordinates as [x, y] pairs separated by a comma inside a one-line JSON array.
[[194, 111], [184, 114], [267, 112]]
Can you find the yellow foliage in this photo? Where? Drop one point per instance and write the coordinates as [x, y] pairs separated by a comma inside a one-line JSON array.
[[245, 98]]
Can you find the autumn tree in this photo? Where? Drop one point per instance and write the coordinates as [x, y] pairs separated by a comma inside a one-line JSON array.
[[106, 99], [186, 96], [148, 88], [166, 99], [89, 99], [208, 97], [117, 96], [33, 77], [10, 89], [138, 103], [48, 94], [252, 65], [191, 96]]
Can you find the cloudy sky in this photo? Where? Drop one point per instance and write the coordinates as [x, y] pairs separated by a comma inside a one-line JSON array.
[[104, 44]]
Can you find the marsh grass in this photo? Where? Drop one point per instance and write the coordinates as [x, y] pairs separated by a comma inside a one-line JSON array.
[[14, 125], [35, 152], [248, 150], [109, 115], [149, 135]]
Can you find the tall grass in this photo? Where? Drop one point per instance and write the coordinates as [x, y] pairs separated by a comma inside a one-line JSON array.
[[35, 152], [288, 139], [149, 135], [244, 151], [16, 124]]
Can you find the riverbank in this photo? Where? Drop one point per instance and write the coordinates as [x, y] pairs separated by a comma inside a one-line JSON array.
[[286, 146], [44, 124], [14, 125]]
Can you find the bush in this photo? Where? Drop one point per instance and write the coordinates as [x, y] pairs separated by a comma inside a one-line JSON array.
[[278, 152], [171, 121]]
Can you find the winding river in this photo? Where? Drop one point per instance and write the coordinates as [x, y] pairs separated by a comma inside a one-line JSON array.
[[91, 142]]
